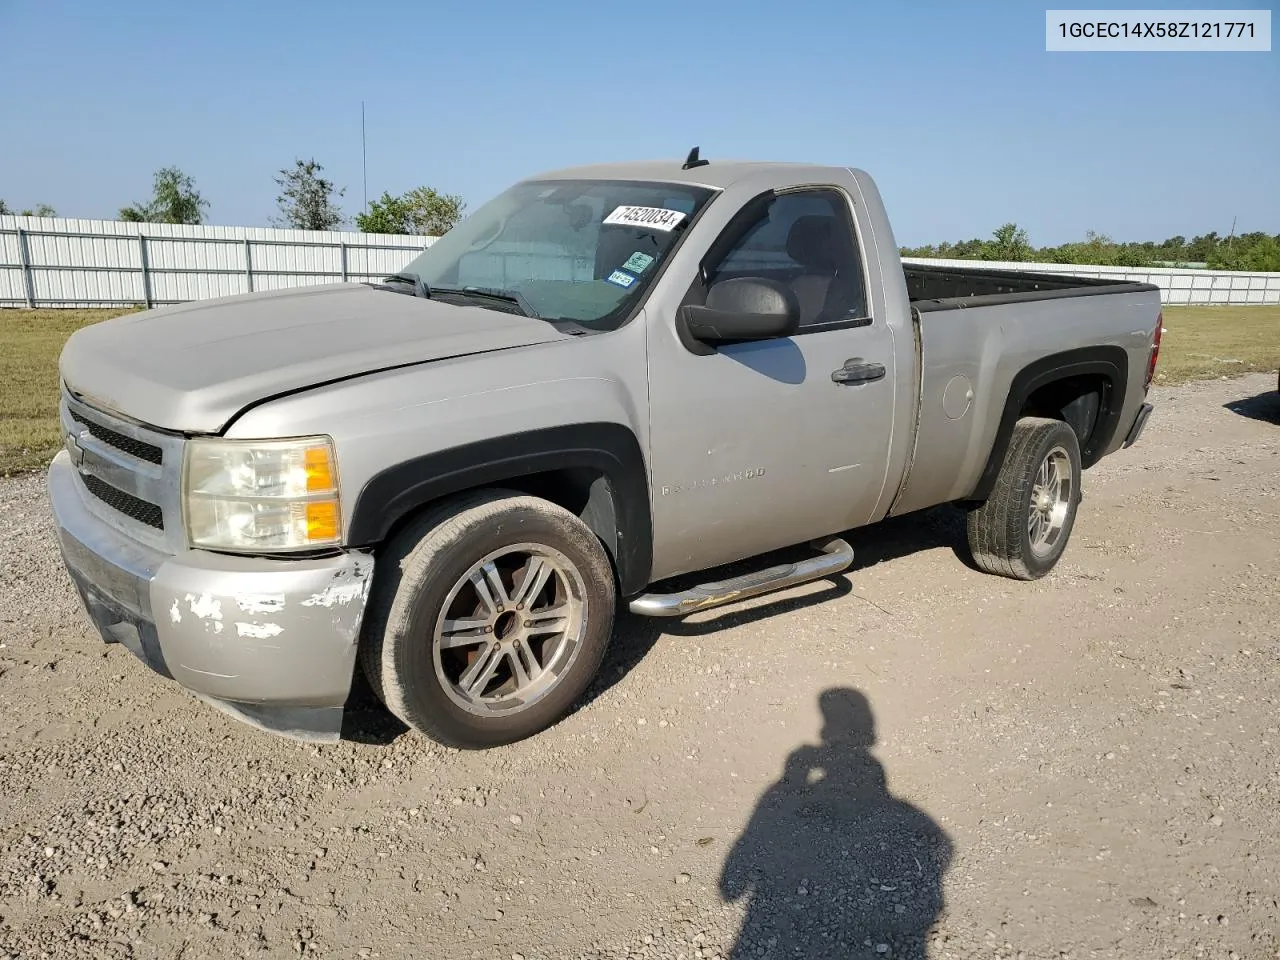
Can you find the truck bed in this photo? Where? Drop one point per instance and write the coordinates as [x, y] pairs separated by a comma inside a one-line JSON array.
[[949, 288], [980, 329]]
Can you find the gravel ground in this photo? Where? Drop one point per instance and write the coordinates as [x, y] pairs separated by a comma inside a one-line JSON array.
[[914, 760]]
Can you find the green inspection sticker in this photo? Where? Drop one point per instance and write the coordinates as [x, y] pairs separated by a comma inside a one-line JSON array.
[[637, 262]]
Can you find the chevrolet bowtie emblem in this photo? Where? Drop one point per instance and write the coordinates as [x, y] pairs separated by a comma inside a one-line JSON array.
[[74, 448]]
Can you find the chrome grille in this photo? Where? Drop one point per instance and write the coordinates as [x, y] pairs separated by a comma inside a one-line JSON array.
[[135, 448], [131, 473], [126, 503]]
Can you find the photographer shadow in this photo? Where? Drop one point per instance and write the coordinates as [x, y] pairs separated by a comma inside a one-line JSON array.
[[831, 864]]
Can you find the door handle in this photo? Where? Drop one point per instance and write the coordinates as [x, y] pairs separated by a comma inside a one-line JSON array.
[[858, 370]]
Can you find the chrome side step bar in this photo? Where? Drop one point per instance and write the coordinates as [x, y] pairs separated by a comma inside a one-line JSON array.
[[836, 556]]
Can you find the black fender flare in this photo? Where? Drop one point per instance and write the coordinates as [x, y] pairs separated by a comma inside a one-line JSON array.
[[1110, 362], [621, 517]]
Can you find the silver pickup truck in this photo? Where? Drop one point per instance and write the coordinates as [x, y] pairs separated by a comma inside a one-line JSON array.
[[604, 378]]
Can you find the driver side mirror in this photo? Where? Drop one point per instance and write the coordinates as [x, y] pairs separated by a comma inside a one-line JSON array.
[[744, 308]]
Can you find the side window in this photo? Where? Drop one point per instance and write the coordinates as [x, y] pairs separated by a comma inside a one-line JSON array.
[[806, 241]]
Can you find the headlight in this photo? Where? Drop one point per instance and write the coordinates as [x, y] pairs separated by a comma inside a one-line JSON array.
[[255, 496]]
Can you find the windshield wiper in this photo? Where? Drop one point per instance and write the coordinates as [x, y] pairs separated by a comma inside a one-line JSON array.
[[493, 293], [420, 288]]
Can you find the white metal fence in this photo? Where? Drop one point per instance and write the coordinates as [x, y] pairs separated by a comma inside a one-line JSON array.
[[57, 262]]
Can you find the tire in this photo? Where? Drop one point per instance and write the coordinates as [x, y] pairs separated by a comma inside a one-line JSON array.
[[1004, 537], [430, 636]]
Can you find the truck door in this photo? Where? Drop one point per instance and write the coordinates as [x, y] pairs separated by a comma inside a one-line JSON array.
[[755, 446]]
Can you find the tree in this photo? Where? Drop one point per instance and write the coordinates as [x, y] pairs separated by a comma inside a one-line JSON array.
[[1253, 251], [387, 214], [966, 250], [1264, 255], [1173, 250], [1131, 255], [1200, 247], [423, 211], [1009, 242], [174, 199], [40, 210], [306, 199]]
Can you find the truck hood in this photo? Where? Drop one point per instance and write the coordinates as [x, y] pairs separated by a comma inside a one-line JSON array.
[[193, 367]]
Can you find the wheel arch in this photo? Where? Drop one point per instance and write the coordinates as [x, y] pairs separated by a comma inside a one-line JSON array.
[[1084, 387], [595, 470]]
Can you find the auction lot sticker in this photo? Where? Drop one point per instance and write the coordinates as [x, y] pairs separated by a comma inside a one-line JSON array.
[[655, 218]]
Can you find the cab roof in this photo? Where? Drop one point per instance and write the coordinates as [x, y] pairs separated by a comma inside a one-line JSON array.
[[717, 174]]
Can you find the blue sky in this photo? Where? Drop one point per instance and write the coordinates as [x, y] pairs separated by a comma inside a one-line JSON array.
[[955, 108]]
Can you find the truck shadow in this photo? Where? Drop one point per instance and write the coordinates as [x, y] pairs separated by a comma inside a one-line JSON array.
[[1264, 407], [634, 636], [366, 721]]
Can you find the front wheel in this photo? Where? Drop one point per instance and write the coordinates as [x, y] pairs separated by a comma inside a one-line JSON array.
[[490, 618], [1023, 527]]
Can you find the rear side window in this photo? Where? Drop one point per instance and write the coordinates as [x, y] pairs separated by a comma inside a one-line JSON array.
[[806, 241]]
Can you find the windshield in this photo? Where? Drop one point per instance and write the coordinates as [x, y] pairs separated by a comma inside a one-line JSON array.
[[579, 250]]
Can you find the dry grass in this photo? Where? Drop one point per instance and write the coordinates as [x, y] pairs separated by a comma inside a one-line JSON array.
[[1199, 343], [30, 341]]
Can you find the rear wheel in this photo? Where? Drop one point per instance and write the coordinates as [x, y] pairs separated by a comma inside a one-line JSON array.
[[1022, 529], [489, 620]]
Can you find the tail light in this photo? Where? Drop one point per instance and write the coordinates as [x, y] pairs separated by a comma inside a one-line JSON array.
[[1155, 350]]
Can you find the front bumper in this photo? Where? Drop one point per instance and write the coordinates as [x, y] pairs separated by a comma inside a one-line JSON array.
[[271, 641]]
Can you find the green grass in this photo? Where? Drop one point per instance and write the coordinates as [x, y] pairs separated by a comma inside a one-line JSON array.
[[30, 341], [1199, 343]]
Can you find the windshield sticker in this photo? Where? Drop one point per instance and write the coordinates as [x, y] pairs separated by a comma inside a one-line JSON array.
[[637, 262], [621, 279], [655, 218]]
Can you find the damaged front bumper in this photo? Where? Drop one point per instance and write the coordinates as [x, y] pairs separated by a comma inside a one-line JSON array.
[[273, 642]]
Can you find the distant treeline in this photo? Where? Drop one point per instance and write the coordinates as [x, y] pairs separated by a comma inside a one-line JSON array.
[[1248, 251]]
